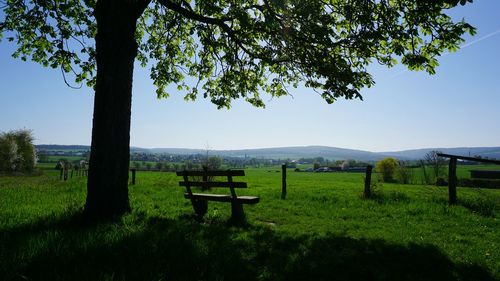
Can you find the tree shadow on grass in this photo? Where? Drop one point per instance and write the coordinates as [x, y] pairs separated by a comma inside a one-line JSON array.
[[182, 249]]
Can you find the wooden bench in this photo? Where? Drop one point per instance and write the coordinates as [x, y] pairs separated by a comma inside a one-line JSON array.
[[205, 179]]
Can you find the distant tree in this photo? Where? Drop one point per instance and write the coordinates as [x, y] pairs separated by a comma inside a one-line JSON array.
[[159, 166], [437, 163], [387, 167], [404, 173], [213, 163], [176, 167], [8, 154], [17, 152], [345, 165], [137, 165], [319, 160], [43, 158], [316, 166], [149, 165], [232, 49], [167, 166]]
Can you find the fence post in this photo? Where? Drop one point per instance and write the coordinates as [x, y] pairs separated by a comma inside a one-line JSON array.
[[452, 181], [133, 176], [283, 181], [368, 178]]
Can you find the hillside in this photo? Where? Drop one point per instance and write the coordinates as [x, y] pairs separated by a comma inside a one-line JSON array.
[[332, 153]]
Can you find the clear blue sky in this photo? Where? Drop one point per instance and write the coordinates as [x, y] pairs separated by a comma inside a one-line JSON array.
[[459, 106]]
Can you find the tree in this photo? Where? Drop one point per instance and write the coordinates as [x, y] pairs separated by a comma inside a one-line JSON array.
[[404, 172], [8, 154], [436, 162], [17, 152], [387, 167], [212, 163], [136, 165], [159, 165], [236, 49]]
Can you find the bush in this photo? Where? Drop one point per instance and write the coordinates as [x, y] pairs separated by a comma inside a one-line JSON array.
[[17, 152], [387, 167], [404, 173]]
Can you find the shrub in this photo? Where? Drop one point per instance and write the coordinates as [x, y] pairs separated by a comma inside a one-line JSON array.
[[17, 152], [387, 167], [404, 173]]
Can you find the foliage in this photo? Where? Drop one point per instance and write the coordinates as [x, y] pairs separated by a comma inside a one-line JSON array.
[[136, 164], [212, 163], [437, 163], [17, 152], [238, 49], [159, 166], [387, 167], [404, 173]]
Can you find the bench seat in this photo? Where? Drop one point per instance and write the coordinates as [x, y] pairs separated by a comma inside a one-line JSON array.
[[223, 198], [207, 180]]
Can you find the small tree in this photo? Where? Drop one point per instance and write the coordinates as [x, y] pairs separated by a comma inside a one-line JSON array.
[[167, 166], [137, 165], [17, 152], [159, 166], [212, 163], [345, 165], [404, 173], [437, 163], [387, 167], [8, 154]]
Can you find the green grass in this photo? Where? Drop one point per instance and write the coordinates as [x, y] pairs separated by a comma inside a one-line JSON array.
[[324, 230]]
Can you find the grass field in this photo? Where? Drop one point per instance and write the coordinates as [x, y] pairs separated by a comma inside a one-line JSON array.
[[324, 230]]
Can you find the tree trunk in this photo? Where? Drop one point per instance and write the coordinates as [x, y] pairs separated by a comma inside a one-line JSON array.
[[116, 49]]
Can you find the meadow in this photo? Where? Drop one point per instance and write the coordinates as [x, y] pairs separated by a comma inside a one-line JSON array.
[[323, 230]]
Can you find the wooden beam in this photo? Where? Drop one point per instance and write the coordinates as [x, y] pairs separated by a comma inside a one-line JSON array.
[[469, 158], [218, 173], [214, 184]]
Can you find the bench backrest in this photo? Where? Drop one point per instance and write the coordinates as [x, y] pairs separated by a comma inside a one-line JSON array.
[[206, 182]]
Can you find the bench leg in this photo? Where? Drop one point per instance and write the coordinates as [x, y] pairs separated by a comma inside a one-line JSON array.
[[200, 207], [237, 213]]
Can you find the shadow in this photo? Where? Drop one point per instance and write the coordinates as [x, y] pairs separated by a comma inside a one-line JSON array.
[[183, 249]]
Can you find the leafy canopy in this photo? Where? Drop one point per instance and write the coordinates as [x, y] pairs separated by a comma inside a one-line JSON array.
[[240, 48]]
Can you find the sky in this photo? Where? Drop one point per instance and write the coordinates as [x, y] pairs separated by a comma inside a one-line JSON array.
[[459, 106]]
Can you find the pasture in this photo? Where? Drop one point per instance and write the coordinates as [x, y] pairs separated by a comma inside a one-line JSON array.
[[324, 230]]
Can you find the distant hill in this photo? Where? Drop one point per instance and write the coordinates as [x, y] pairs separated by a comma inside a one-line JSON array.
[[58, 147], [333, 153]]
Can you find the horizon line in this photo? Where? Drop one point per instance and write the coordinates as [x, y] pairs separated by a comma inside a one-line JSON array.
[[295, 146]]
